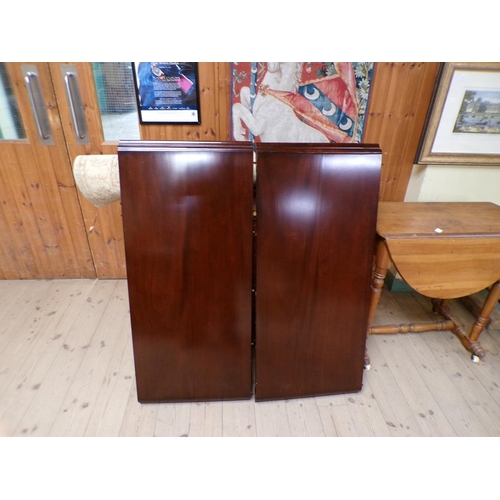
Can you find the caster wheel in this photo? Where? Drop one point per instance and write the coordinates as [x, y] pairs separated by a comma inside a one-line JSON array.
[[475, 359], [367, 367]]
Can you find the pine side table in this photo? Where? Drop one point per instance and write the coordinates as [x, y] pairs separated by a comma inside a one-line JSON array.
[[443, 250]]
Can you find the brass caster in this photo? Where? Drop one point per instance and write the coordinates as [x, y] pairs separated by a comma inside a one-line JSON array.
[[475, 359]]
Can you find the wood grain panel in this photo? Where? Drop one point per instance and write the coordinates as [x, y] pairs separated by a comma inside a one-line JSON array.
[[187, 211], [316, 219], [43, 235], [401, 94], [103, 225]]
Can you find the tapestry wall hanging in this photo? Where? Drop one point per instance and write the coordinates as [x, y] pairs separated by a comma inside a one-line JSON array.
[[300, 102]]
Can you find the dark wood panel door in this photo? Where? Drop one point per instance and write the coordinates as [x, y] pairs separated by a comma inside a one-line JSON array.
[[316, 227], [187, 214]]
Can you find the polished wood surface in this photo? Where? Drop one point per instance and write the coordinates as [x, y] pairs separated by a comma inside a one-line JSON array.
[[419, 219], [443, 251], [187, 212], [316, 216]]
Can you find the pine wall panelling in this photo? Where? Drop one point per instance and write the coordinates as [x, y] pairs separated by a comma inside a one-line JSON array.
[[60, 234]]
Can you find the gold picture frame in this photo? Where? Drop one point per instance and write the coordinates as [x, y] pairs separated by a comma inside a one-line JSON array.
[[463, 123]]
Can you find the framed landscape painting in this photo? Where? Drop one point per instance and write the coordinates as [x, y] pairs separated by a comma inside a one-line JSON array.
[[463, 125]]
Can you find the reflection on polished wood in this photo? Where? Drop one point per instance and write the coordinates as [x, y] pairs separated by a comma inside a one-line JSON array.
[[443, 251], [188, 226], [316, 218], [187, 213]]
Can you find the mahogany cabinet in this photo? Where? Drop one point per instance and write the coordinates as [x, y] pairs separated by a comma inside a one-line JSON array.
[[223, 271]]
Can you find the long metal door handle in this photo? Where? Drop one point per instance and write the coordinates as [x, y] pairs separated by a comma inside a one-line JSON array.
[[35, 94], [75, 103]]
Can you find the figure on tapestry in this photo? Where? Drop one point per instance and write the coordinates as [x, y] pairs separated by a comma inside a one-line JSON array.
[[299, 102]]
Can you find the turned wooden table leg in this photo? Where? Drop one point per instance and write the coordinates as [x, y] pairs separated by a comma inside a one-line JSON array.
[[484, 315], [382, 261], [444, 302], [473, 346]]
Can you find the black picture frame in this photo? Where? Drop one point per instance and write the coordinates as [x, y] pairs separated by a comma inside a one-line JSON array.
[[167, 92]]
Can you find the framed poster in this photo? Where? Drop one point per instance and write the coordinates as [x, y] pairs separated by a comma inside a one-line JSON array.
[[167, 92], [463, 125]]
